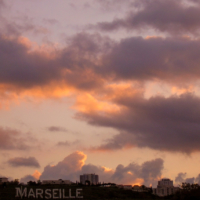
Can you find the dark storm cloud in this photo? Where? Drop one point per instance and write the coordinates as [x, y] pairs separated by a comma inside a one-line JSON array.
[[23, 162], [11, 139], [169, 124], [72, 166], [168, 16]]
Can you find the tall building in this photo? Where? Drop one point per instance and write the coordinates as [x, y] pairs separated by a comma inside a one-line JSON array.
[[89, 178], [165, 187]]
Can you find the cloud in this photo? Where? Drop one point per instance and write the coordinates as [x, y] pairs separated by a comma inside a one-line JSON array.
[[169, 60], [93, 69], [36, 174], [90, 62], [34, 177], [114, 5], [73, 166], [25, 162], [165, 16], [181, 178], [27, 178], [51, 21], [34, 67], [68, 143], [11, 139], [65, 168], [57, 129], [167, 124], [149, 172]]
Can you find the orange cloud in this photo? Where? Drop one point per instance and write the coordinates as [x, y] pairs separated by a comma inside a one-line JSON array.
[[83, 156], [87, 103], [106, 169], [152, 37], [179, 91], [138, 181], [36, 174]]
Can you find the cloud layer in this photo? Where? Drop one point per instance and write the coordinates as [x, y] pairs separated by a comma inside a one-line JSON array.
[[159, 122], [73, 166], [25, 162], [181, 178], [165, 16], [108, 79], [11, 139], [169, 124]]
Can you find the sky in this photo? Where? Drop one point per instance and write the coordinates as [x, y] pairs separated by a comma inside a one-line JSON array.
[[100, 86]]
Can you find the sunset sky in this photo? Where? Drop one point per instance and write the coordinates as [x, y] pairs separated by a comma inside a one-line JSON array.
[[110, 87]]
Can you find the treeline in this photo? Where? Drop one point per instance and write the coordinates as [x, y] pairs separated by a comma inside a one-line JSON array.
[[188, 192]]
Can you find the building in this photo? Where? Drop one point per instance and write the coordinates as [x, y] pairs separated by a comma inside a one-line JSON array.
[[3, 180], [59, 182], [127, 187], [89, 179], [164, 188], [120, 186], [142, 188]]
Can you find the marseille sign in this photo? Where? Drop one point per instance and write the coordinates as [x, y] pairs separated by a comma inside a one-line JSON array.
[[46, 193]]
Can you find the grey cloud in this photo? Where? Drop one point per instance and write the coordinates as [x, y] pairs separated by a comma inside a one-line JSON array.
[[190, 180], [22, 69], [68, 143], [57, 129], [181, 178], [103, 176], [89, 61], [11, 139], [149, 171], [65, 168], [197, 180], [170, 59], [168, 124], [2, 3], [72, 166], [27, 178], [114, 5], [51, 21], [25, 162], [168, 16]]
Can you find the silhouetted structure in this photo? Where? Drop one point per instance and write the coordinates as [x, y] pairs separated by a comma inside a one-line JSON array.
[[60, 181], [92, 178], [165, 187], [3, 180]]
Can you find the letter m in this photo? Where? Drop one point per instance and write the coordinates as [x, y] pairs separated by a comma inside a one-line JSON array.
[[20, 192]]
